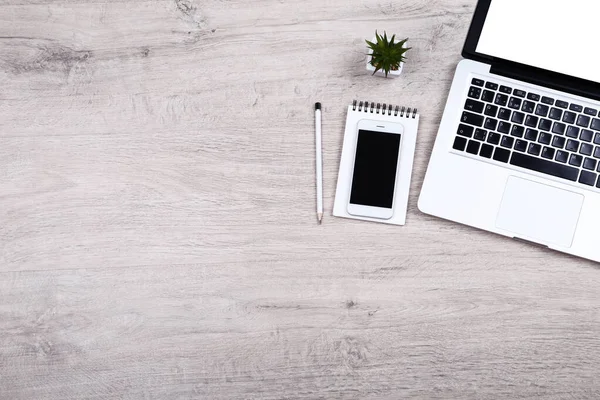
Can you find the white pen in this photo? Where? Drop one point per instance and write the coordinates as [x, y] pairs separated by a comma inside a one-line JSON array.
[[319, 159]]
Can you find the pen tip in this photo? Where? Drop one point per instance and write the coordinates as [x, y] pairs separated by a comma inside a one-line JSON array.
[[320, 218], [317, 106]]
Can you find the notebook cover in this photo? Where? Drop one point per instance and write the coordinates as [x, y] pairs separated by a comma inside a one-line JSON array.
[[409, 119]]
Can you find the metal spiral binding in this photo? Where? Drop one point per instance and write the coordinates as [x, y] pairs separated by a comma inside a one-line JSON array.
[[371, 107]]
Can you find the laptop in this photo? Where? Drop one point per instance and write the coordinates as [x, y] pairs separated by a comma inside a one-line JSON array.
[[518, 148]]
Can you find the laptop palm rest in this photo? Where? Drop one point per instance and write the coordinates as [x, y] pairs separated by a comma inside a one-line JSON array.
[[539, 212]]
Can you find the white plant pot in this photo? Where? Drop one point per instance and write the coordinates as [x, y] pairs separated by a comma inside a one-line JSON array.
[[391, 74]]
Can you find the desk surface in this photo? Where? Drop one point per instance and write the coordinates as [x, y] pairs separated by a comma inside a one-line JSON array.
[[157, 218]]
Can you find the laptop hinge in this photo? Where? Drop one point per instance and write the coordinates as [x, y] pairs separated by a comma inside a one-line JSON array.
[[541, 78]]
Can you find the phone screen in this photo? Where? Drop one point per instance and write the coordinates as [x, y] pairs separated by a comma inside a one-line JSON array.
[[374, 178]]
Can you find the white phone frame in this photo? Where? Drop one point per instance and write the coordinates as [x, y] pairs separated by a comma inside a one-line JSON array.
[[370, 211]]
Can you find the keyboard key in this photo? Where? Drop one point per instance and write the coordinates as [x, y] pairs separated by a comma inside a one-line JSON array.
[[544, 166], [517, 131], [475, 106], [598, 184], [531, 121], [505, 89], [474, 92], [545, 138], [575, 160], [587, 178], [488, 96], [480, 134], [518, 117], [545, 124], [597, 152], [590, 163], [501, 99], [542, 110], [561, 156], [464, 130], [548, 100], [486, 151], [491, 85], [586, 149], [515, 103], [493, 138], [528, 107], [519, 93], [590, 111], [548, 152], [559, 128], [597, 138], [521, 145], [507, 142], [562, 104], [595, 124], [572, 131], [586, 135], [572, 145], [533, 96], [558, 142], [504, 127], [473, 147], [534, 149], [491, 110], [501, 155], [477, 82], [569, 117], [556, 113], [576, 108], [472, 119], [504, 114], [491, 124], [531, 134]]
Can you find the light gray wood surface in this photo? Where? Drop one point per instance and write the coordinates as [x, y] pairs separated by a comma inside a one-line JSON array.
[[157, 217]]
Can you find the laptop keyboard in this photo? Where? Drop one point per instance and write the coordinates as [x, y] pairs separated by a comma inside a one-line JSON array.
[[531, 131]]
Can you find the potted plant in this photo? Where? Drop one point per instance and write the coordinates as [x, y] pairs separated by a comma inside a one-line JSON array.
[[386, 56]]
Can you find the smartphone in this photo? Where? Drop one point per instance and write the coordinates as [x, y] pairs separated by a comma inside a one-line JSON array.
[[376, 160]]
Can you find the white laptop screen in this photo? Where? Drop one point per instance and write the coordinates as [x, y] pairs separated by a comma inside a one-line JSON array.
[[553, 35]]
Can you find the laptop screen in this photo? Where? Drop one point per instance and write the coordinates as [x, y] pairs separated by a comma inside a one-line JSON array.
[[553, 35]]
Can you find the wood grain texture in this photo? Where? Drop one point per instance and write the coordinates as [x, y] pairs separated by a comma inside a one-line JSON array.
[[157, 217]]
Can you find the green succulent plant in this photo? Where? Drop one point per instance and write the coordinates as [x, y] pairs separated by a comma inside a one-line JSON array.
[[386, 55]]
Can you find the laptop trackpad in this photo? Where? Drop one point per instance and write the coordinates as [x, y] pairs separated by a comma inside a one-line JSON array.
[[539, 212]]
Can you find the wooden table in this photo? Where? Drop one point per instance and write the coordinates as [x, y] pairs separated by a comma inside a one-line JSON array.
[[157, 217]]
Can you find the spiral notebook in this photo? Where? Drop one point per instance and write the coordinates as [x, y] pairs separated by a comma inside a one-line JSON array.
[[409, 119]]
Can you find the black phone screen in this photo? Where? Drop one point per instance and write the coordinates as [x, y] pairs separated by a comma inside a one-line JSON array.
[[374, 177]]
